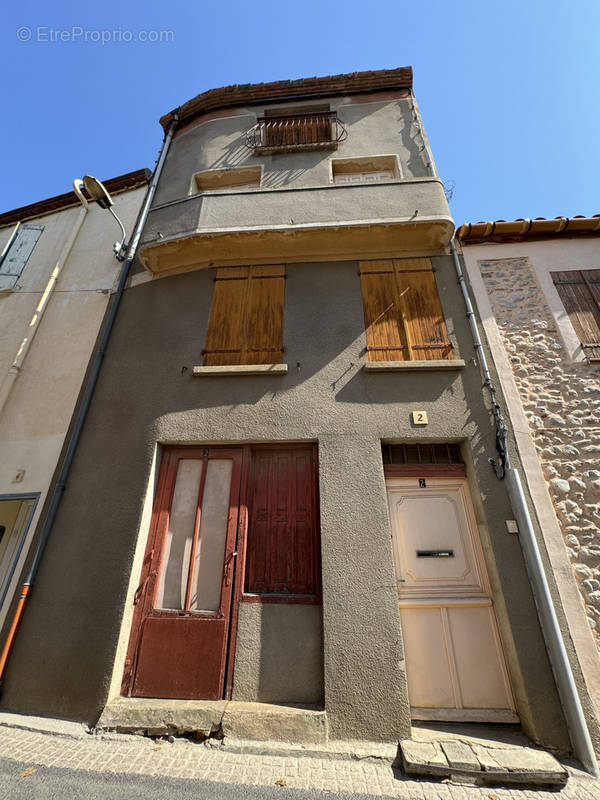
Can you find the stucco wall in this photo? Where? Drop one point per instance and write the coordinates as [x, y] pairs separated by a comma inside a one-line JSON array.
[[279, 654], [38, 411], [296, 191], [374, 128], [146, 394]]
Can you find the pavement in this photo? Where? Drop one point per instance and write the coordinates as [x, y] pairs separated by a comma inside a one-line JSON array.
[[47, 759]]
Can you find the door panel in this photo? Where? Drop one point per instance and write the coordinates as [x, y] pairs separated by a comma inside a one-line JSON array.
[[427, 659], [454, 661], [180, 658], [478, 657], [434, 551]]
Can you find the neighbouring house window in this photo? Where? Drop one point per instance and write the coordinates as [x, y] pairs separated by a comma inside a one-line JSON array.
[[403, 314], [246, 317], [16, 254], [579, 291], [215, 179], [283, 542], [365, 169]]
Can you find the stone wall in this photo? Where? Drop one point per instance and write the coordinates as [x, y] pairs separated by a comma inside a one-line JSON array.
[[561, 399]]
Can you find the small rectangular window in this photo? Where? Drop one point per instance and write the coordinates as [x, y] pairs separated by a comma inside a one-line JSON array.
[[404, 320], [246, 316], [215, 179], [366, 169], [16, 254], [579, 291]]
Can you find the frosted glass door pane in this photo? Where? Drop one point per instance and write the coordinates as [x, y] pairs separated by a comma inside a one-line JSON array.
[[178, 544], [208, 567]]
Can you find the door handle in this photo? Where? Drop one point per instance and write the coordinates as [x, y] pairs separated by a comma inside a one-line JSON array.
[[226, 564]]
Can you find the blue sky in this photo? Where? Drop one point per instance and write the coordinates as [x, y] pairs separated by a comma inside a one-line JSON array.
[[508, 90]]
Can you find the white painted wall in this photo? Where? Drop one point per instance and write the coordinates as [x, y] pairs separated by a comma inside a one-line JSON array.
[[35, 419]]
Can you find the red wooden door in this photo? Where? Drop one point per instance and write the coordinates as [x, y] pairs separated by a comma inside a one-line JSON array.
[[178, 645]]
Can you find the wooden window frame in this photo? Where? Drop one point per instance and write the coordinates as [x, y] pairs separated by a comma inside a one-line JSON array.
[[582, 307], [393, 331], [259, 316]]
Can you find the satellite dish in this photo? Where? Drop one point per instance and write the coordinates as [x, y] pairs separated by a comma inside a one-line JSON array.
[[97, 191]]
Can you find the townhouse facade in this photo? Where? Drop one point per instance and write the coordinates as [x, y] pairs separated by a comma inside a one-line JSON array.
[[536, 283], [56, 281], [282, 504]]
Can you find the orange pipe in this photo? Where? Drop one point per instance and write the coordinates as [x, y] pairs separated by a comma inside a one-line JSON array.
[[14, 627]]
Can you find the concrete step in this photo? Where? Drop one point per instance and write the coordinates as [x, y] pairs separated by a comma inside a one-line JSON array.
[[218, 719], [471, 761]]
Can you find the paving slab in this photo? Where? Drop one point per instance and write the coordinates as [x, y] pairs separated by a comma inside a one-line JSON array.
[[482, 765], [460, 756]]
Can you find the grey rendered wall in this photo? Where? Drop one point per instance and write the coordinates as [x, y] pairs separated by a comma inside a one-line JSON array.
[[384, 127], [279, 654], [63, 658]]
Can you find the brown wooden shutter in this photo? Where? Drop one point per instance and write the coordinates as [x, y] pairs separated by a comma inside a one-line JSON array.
[[246, 316], [282, 547], [264, 324], [403, 314], [579, 291]]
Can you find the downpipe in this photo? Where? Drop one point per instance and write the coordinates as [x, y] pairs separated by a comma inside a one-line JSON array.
[[86, 400], [559, 660]]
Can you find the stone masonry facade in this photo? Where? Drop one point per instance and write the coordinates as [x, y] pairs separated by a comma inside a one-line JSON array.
[[561, 399]]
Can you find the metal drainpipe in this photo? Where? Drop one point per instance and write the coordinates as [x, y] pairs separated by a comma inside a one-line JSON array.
[[15, 368], [559, 660], [85, 404]]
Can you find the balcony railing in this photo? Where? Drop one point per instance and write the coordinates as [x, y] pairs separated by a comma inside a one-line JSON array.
[[296, 132]]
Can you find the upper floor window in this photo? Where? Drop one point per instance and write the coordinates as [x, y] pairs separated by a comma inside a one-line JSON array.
[[16, 254], [215, 179], [579, 291], [246, 316], [404, 320], [296, 130], [365, 169]]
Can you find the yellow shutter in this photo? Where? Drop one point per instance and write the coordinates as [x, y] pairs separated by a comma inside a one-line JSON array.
[[246, 316], [403, 314]]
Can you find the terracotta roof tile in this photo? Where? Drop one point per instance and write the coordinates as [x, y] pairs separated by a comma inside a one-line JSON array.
[[248, 93], [520, 229], [122, 183]]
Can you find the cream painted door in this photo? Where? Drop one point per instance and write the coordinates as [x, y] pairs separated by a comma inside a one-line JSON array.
[[454, 661]]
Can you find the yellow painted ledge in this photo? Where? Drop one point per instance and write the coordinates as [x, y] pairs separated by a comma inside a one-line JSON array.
[[407, 366], [241, 369]]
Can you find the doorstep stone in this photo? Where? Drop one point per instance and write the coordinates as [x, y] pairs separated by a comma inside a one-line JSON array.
[[476, 763], [220, 718]]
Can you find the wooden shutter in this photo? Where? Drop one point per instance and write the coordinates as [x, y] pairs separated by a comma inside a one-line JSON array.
[[403, 314], [246, 317], [579, 291], [282, 546], [264, 322]]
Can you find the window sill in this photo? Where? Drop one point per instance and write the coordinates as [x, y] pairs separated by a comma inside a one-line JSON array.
[[407, 366], [241, 369]]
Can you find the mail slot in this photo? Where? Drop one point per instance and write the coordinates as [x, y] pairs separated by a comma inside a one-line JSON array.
[[435, 553]]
